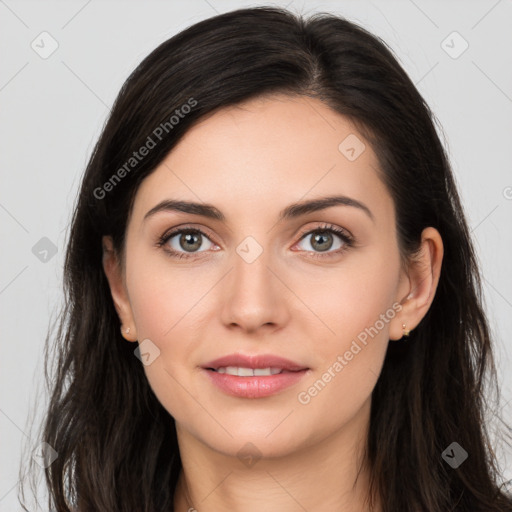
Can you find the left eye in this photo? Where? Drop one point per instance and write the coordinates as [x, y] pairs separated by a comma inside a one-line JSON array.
[[324, 239]]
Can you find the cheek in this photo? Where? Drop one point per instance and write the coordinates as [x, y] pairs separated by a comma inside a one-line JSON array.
[[168, 310], [358, 308], [352, 298], [163, 299]]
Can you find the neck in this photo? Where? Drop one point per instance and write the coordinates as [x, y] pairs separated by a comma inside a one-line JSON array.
[[327, 475]]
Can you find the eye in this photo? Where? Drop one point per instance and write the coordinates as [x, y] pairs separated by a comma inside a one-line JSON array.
[[323, 239], [184, 242], [187, 242]]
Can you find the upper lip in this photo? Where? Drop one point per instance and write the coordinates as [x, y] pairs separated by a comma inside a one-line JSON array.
[[255, 361]]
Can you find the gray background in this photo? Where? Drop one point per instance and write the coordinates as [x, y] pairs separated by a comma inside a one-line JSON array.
[[52, 110]]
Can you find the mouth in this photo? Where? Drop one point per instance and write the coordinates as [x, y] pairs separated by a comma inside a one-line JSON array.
[[253, 376], [248, 365], [241, 371]]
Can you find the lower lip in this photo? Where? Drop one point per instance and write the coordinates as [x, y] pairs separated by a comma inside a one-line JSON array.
[[257, 386]]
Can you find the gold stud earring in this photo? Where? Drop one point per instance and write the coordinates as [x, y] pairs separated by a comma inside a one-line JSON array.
[[406, 331]]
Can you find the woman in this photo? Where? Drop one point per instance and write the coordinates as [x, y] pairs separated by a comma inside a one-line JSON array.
[[273, 299]]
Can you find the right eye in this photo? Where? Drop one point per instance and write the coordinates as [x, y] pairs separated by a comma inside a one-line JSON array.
[[186, 244]]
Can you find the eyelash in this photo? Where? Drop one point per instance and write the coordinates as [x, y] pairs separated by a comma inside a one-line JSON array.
[[346, 238]]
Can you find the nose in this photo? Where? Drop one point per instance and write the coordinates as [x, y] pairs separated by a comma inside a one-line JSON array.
[[255, 295]]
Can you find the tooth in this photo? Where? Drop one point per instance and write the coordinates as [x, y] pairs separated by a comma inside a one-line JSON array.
[[262, 371], [248, 372]]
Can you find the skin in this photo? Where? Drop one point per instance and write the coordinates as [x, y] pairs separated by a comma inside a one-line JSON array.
[[251, 161]]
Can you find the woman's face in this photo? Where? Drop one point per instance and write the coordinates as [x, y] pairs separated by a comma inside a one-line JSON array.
[[260, 284]]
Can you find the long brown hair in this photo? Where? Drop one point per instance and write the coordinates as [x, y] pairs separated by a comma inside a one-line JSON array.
[[116, 444]]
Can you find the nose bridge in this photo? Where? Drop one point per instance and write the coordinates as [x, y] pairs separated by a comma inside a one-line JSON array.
[[255, 297], [251, 274]]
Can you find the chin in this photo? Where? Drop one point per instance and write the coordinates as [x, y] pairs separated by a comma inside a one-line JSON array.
[[273, 434], [249, 447]]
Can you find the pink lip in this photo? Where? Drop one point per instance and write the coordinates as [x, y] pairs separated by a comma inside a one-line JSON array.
[[256, 386]]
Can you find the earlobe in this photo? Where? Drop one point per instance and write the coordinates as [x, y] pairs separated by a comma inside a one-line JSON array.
[[113, 272], [423, 276]]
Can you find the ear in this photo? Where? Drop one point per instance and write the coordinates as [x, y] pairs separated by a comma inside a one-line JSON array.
[[113, 271], [418, 283]]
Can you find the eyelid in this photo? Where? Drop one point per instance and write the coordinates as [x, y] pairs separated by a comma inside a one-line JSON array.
[[189, 227], [326, 227]]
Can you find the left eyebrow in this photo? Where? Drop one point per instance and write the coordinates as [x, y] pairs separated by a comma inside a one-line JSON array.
[[292, 211], [302, 208]]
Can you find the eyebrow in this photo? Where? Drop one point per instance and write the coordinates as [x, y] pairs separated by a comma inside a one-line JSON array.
[[290, 212]]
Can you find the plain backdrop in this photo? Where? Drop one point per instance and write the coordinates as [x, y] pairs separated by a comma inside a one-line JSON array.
[[61, 67]]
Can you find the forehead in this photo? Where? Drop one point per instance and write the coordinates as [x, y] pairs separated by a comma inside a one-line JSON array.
[[258, 156]]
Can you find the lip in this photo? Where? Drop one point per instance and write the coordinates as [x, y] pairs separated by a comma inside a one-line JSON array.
[[255, 386]]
